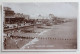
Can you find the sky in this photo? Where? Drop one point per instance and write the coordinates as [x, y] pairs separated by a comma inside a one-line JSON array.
[[59, 9]]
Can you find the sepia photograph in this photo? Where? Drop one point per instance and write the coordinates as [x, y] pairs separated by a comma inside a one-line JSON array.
[[39, 26]]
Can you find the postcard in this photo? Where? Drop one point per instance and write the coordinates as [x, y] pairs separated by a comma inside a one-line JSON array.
[[39, 26]]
